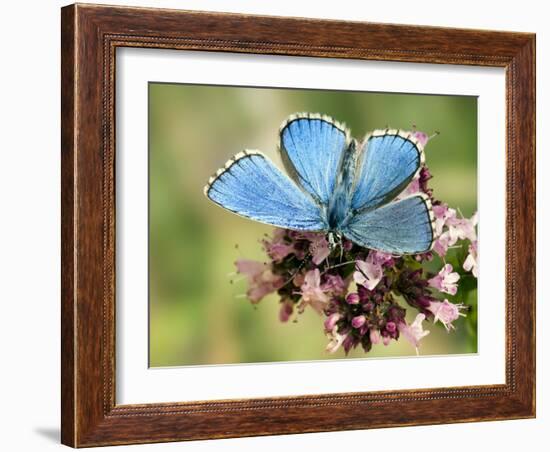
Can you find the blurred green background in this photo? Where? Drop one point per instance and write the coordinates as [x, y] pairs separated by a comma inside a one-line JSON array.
[[196, 313]]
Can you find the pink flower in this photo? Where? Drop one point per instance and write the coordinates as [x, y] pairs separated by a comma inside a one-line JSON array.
[[443, 214], [422, 137], [374, 336], [287, 307], [353, 298], [261, 280], [368, 273], [331, 321], [334, 284], [412, 188], [442, 243], [446, 312], [457, 228], [446, 280], [381, 258], [358, 321], [470, 264], [319, 249], [414, 332], [277, 249], [312, 293], [331, 328], [419, 183], [462, 228], [336, 340]]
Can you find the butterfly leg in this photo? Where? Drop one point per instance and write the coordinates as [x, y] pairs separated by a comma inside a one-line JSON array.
[[300, 266], [335, 240]]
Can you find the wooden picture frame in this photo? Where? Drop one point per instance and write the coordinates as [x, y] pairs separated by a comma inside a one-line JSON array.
[[90, 36]]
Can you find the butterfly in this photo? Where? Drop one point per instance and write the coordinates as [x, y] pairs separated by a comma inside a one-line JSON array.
[[334, 185]]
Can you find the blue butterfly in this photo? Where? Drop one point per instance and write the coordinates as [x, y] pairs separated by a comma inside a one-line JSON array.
[[336, 185]]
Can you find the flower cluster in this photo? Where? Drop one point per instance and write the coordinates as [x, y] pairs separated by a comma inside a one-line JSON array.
[[362, 294]]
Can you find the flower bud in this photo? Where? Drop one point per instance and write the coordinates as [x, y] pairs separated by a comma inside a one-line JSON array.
[[353, 298], [358, 322], [331, 321]]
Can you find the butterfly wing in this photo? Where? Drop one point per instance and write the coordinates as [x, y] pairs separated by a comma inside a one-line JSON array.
[[253, 187], [311, 147], [388, 162], [401, 227]]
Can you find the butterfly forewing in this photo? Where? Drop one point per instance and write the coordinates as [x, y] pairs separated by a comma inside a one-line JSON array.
[[311, 147], [250, 185]]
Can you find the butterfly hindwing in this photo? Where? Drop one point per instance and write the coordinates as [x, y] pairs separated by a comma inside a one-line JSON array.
[[253, 187], [401, 227], [311, 147], [388, 162]]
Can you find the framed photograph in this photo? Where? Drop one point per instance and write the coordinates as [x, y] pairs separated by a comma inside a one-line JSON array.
[[281, 225]]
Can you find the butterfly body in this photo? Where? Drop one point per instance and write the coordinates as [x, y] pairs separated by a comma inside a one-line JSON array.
[[336, 186], [339, 208]]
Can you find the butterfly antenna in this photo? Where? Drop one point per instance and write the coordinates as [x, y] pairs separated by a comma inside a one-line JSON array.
[[342, 264]]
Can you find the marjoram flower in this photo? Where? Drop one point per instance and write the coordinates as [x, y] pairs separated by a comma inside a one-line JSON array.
[[312, 292], [279, 247], [414, 332], [261, 279], [305, 271], [446, 280], [446, 312], [368, 273], [336, 340], [470, 264]]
